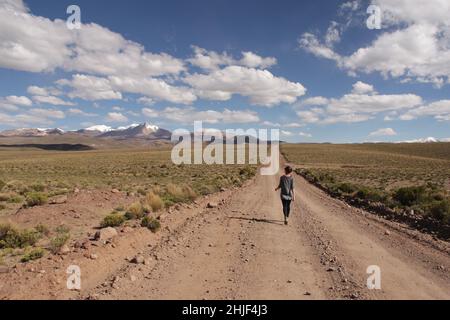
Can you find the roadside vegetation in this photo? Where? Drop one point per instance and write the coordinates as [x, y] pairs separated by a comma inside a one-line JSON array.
[[405, 180], [33, 178], [24, 245]]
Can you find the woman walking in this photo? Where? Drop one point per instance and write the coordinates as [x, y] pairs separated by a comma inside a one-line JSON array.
[[287, 192]]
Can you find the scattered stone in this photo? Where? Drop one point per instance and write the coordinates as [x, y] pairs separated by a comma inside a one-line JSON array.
[[212, 205], [64, 250], [147, 261], [115, 191], [307, 293], [289, 281], [126, 229], [223, 189], [105, 234], [138, 260], [93, 256], [82, 244], [331, 269], [162, 217], [441, 268], [59, 200], [76, 190], [133, 278], [387, 233], [354, 296]]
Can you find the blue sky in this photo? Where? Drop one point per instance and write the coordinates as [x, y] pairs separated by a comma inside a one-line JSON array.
[[313, 68]]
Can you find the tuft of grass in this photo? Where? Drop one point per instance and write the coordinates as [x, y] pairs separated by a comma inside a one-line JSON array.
[[57, 242], [177, 193], [2, 185], [11, 237], [42, 229], [135, 211], [15, 199], [60, 239], [440, 210], [33, 254], [247, 172], [154, 201], [37, 187], [36, 199], [62, 229], [157, 190], [112, 220], [410, 195], [141, 192], [151, 223], [120, 209]]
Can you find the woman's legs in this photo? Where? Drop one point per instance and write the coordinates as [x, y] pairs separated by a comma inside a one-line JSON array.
[[286, 209]]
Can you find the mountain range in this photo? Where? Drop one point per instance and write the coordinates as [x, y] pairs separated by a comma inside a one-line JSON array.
[[135, 131]]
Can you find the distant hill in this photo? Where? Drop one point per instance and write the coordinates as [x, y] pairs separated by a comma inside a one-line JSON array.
[[98, 137], [28, 132], [145, 131], [50, 147]]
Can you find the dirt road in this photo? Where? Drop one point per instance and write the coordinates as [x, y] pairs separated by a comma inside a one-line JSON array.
[[242, 250]]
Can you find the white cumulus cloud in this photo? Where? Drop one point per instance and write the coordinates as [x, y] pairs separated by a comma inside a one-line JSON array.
[[383, 132]]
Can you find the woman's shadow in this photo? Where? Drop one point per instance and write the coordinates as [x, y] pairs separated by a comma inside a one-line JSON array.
[[258, 220]]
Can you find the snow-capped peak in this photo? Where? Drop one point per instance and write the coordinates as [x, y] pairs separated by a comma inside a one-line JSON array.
[[151, 127], [131, 126], [423, 140], [100, 128], [46, 130]]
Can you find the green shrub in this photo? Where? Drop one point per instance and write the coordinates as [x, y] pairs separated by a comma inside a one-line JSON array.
[[4, 229], [10, 237], [59, 240], [410, 195], [62, 229], [2, 185], [206, 190], [15, 199], [247, 172], [113, 220], [119, 209], [36, 199], [135, 211], [440, 210], [328, 178], [38, 187], [347, 188], [34, 254], [371, 194], [151, 223], [141, 192], [42, 229], [2, 207]]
